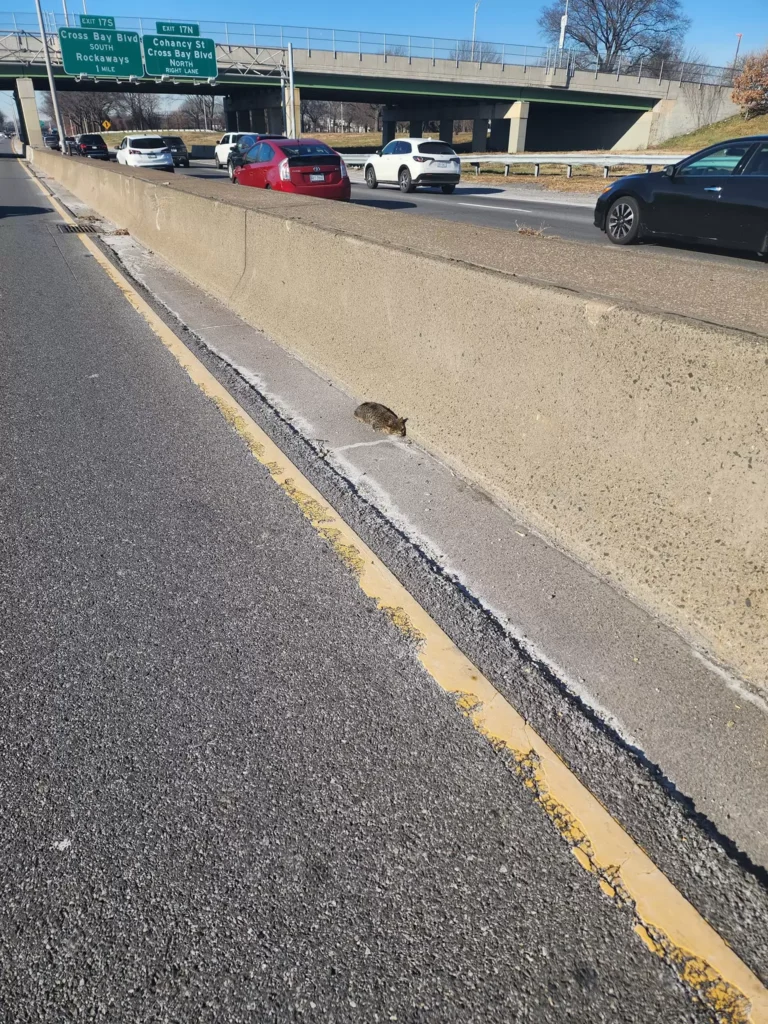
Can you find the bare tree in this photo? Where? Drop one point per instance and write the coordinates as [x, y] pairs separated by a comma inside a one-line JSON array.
[[609, 30], [335, 115], [315, 115], [199, 111], [482, 52], [138, 110], [82, 111], [394, 50]]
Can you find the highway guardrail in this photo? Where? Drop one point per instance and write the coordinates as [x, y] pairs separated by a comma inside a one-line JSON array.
[[567, 160]]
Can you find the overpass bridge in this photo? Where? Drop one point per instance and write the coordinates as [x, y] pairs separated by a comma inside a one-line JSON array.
[[534, 97]]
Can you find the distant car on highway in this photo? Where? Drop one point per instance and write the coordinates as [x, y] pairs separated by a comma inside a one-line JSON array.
[[303, 166], [92, 146], [409, 163], [716, 197], [145, 151], [239, 153], [178, 150], [222, 148], [51, 140]]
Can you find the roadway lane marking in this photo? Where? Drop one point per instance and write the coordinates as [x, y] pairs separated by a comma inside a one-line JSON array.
[[662, 918], [509, 209]]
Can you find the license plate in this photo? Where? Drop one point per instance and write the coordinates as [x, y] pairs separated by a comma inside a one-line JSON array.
[[440, 163], [153, 156], [317, 177]]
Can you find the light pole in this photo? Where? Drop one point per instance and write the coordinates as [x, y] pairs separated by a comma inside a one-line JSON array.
[[51, 82], [474, 26], [738, 47], [563, 26]]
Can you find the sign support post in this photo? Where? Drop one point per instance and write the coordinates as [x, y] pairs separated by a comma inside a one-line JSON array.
[[51, 82]]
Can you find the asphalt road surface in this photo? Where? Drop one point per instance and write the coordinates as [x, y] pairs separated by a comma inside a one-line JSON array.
[[561, 215], [228, 790]]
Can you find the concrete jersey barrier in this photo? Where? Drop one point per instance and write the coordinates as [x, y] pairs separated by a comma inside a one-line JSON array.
[[635, 439]]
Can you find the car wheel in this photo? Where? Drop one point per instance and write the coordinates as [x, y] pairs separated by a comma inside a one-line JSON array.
[[405, 181], [447, 189], [370, 177], [186, 163], [622, 225], [231, 172]]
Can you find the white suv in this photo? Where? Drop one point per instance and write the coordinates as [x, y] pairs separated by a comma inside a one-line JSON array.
[[222, 149], [144, 151], [413, 162]]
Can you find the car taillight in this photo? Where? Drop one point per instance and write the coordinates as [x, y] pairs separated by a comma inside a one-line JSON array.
[[343, 169], [83, 146], [285, 171], [421, 159], [135, 152]]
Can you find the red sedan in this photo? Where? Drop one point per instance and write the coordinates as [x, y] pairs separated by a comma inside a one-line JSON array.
[[304, 166]]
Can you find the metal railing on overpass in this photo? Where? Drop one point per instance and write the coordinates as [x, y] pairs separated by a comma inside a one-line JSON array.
[[386, 44], [566, 160]]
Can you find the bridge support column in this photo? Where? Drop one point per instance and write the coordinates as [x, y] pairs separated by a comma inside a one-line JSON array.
[[30, 118], [446, 130], [480, 135], [499, 139], [258, 120], [243, 118], [416, 129], [274, 119], [231, 120], [518, 126], [388, 129]]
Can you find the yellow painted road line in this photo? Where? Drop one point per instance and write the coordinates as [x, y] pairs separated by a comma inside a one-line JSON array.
[[665, 921]]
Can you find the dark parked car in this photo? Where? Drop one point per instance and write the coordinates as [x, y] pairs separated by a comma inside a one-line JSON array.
[[92, 146], [717, 197], [238, 154], [51, 140], [178, 150]]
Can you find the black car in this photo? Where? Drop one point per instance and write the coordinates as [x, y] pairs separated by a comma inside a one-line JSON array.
[[92, 146], [716, 197], [51, 140], [178, 150], [237, 155]]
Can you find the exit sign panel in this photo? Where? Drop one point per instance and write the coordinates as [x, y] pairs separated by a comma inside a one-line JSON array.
[[177, 28], [96, 21], [180, 58], [100, 53]]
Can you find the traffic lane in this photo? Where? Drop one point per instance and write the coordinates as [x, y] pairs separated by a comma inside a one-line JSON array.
[[228, 783], [465, 206], [477, 205]]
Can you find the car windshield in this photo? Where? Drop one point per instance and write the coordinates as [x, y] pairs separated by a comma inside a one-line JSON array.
[[307, 149], [93, 140], [172, 140], [148, 143], [436, 148]]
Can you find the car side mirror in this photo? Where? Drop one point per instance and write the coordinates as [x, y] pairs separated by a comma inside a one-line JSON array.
[[670, 170]]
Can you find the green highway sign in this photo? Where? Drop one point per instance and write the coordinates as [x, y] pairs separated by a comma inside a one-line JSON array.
[[96, 21], [100, 53], [180, 58], [177, 28]]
